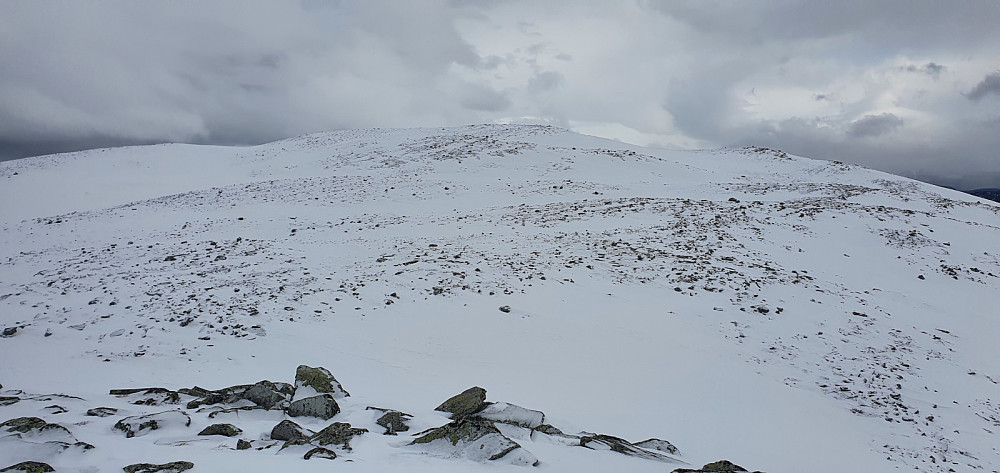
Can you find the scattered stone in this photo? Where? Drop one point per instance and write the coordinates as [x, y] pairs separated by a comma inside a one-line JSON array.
[[8, 400], [102, 412], [511, 414], [288, 430], [337, 433], [320, 452], [505, 309], [142, 425], [319, 379], [30, 467], [323, 406], [33, 425], [172, 467], [242, 444], [56, 409], [228, 430], [475, 439], [9, 332], [148, 396], [658, 445], [721, 466], [615, 444], [469, 402], [393, 421]]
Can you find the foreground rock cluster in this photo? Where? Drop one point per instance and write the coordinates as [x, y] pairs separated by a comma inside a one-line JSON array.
[[479, 430]]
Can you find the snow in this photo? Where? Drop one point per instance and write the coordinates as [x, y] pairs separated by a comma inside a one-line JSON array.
[[644, 288]]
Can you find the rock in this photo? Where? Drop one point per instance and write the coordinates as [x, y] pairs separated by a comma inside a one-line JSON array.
[[228, 395], [320, 452], [288, 430], [505, 309], [36, 426], [30, 467], [9, 332], [615, 444], [658, 445], [8, 400], [474, 439], [320, 379], [469, 402], [337, 433], [228, 430], [511, 414], [172, 467], [148, 396], [323, 406], [242, 444], [102, 412], [721, 466], [141, 425], [393, 421], [265, 394]]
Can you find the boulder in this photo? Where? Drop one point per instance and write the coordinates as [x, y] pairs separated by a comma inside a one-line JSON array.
[[337, 433], [473, 439], [393, 421], [227, 430], [615, 444], [242, 444], [8, 400], [141, 425], [319, 379], [511, 414], [102, 412], [288, 430], [172, 467], [265, 394], [323, 406], [320, 452], [468, 402], [35, 426], [658, 445], [721, 466], [29, 467]]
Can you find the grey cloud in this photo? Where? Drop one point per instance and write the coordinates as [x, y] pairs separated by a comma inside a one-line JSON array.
[[544, 81], [874, 125], [989, 85], [931, 69], [482, 98]]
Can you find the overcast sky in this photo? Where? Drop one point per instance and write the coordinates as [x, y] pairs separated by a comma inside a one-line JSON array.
[[906, 86]]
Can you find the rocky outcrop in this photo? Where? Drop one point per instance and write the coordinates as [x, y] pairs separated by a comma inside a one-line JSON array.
[[226, 430], [148, 396], [658, 445], [393, 421], [337, 433], [466, 403], [29, 467], [102, 412], [320, 380], [473, 439], [721, 466], [513, 415], [323, 406], [619, 445], [136, 426], [172, 467]]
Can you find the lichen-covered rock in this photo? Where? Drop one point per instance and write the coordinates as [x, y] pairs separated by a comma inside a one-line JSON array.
[[658, 445], [721, 466], [615, 444], [288, 430], [141, 425], [102, 412], [473, 439], [511, 414], [323, 406], [468, 402], [337, 433], [228, 430], [172, 467], [393, 421], [320, 452], [319, 379], [29, 467]]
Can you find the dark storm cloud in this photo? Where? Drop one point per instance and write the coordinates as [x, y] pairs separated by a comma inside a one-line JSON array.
[[874, 125], [989, 85]]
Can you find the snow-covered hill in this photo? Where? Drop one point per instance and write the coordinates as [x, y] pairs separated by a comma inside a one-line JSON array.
[[743, 304]]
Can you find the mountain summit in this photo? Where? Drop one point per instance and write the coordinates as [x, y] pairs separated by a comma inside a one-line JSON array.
[[783, 313]]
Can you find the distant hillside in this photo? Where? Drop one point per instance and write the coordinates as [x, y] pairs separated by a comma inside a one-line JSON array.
[[991, 193]]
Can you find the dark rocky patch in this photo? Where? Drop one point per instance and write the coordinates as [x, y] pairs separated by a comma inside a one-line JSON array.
[[172, 467], [30, 467], [228, 430], [466, 403]]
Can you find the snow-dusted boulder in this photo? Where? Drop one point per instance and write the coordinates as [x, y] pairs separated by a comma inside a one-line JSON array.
[[320, 380], [136, 426], [29, 467], [473, 439], [615, 444], [323, 406], [337, 433], [288, 430], [658, 445], [511, 414]]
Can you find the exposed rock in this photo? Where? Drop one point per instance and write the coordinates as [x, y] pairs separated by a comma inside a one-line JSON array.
[[288, 430], [320, 452], [323, 406], [474, 439], [9, 332], [658, 445], [30, 467], [393, 421], [102, 412], [8, 400], [615, 444], [228, 430], [148, 396], [228, 395], [172, 467], [469, 402], [242, 444], [511, 414], [721, 466], [35, 426], [319, 379], [337, 433], [141, 425], [265, 394]]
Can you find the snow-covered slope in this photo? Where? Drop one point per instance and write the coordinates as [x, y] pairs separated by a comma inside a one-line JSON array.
[[783, 313]]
